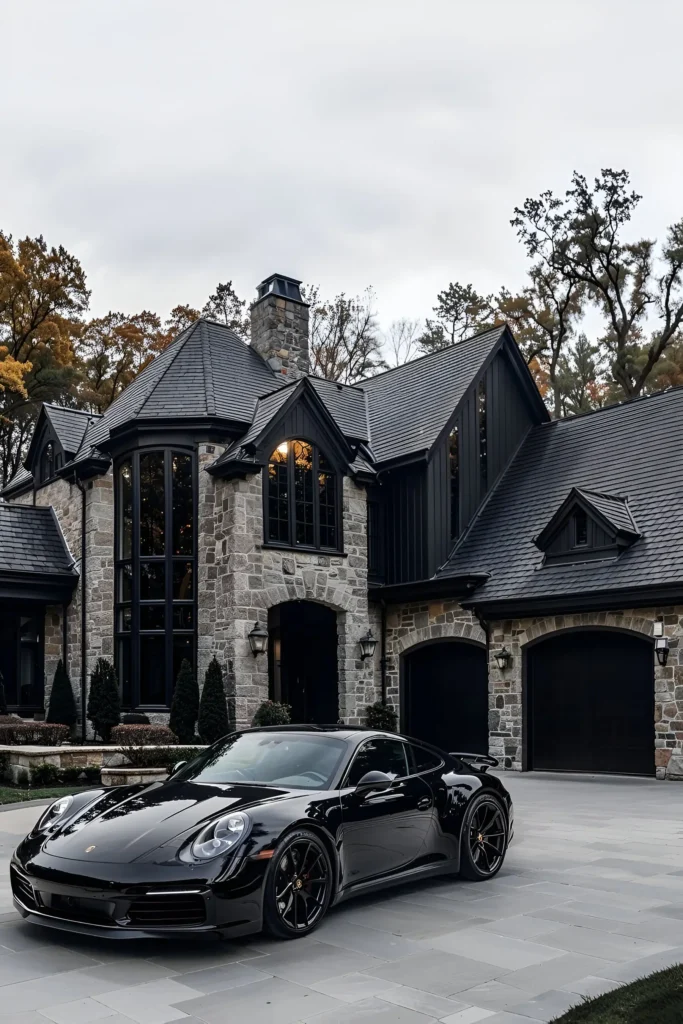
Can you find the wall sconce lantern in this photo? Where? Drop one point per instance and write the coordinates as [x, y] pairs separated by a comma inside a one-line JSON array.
[[662, 649], [503, 658], [258, 640], [367, 645]]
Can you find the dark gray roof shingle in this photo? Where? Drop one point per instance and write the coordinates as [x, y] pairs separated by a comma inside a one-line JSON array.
[[31, 541], [69, 425], [410, 405], [21, 479], [612, 507], [631, 450], [346, 405]]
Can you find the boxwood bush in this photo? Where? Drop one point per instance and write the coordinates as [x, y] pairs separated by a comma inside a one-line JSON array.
[[142, 736]]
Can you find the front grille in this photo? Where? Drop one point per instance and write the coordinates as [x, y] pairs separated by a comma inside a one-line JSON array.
[[167, 909], [78, 908], [22, 889]]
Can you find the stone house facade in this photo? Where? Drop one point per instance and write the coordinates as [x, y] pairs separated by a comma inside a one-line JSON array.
[[520, 579]]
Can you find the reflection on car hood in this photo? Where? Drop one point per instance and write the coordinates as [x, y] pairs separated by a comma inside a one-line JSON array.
[[124, 825]]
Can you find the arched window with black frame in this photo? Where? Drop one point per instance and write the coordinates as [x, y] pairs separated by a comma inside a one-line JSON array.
[[302, 497], [155, 573], [47, 462]]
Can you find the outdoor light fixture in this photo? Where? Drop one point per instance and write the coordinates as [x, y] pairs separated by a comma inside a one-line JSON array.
[[367, 645], [662, 649], [258, 640], [503, 658], [658, 627]]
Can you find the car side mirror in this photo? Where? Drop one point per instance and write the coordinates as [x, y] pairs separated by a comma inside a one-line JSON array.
[[176, 768], [375, 781]]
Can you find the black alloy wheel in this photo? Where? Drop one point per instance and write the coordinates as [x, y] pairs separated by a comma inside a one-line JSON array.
[[298, 886], [484, 839]]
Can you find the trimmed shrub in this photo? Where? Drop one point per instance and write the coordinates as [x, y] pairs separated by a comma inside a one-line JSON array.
[[142, 736], [62, 707], [20, 733], [22, 778], [185, 704], [381, 716], [158, 757], [213, 709], [104, 703], [45, 774], [3, 698], [134, 718], [272, 713]]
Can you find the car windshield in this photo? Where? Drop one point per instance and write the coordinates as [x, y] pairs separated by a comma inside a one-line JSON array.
[[299, 760]]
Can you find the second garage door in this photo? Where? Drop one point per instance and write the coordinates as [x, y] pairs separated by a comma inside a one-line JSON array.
[[590, 703]]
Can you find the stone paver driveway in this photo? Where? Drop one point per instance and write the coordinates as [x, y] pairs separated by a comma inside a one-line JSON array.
[[591, 896]]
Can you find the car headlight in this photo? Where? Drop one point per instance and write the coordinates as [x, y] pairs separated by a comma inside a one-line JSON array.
[[54, 813], [220, 836]]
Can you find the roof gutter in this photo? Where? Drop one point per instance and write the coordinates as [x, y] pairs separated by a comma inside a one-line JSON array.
[[554, 604], [437, 586]]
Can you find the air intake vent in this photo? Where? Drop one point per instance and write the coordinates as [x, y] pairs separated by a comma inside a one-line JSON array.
[[166, 910], [22, 889]]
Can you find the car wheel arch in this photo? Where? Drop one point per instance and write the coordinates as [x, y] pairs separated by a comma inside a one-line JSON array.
[[325, 838]]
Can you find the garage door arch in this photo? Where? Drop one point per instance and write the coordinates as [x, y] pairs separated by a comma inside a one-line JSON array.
[[444, 694], [589, 701]]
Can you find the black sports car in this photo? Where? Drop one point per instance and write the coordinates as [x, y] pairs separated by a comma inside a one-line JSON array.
[[266, 828]]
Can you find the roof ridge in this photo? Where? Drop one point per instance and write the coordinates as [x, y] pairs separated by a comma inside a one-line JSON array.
[[341, 383], [18, 505], [603, 494], [431, 355], [66, 408], [626, 404]]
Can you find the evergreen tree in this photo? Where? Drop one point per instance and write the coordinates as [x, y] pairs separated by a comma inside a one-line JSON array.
[[185, 704], [213, 709], [62, 707], [104, 703]]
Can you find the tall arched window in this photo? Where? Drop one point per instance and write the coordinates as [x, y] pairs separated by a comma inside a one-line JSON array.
[[301, 498], [155, 573]]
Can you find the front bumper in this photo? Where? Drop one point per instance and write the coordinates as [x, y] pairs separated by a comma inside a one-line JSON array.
[[118, 909]]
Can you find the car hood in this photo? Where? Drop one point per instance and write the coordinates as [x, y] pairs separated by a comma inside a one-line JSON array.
[[126, 824]]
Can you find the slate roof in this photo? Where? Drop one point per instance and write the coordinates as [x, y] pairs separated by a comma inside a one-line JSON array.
[[613, 508], [346, 405], [21, 479], [631, 450], [31, 541], [410, 405], [69, 425]]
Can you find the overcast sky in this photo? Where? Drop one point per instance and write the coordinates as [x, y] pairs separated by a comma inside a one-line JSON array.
[[170, 145]]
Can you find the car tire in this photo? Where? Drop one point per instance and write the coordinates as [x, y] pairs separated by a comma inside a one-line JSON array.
[[298, 885], [483, 839]]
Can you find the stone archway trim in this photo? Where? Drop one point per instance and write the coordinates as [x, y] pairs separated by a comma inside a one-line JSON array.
[[441, 631], [298, 589], [599, 620]]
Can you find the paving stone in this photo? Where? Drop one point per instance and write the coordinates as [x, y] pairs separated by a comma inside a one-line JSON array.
[[267, 1002], [373, 1011], [603, 945], [80, 1011], [522, 926], [494, 995], [444, 974], [498, 950], [319, 962], [151, 1003], [557, 972], [351, 988], [547, 1006], [422, 1002], [338, 932], [591, 987], [219, 979], [41, 963]]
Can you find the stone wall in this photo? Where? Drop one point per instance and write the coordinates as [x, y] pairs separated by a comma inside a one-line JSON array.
[[251, 578], [411, 624], [505, 688], [65, 498]]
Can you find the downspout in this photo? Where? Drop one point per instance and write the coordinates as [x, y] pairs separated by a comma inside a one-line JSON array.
[[383, 652], [83, 605]]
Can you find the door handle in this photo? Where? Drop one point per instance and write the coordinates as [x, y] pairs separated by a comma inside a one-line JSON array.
[[424, 803]]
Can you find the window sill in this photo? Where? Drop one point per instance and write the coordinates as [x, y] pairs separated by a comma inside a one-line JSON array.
[[330, 552]]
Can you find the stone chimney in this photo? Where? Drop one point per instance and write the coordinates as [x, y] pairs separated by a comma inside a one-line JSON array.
[[279, 326]]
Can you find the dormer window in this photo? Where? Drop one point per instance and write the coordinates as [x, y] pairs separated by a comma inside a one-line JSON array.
[[301, 498], [580, 528], [47, 462], [588, 525]]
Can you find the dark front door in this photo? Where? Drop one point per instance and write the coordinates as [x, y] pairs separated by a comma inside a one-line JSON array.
[[590, 703], [303, 660], [445, 696], [383, 832], [21, 658]]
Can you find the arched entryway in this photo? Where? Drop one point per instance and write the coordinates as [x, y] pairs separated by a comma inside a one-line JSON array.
[[445, 695], [590, 702], [302, 659]]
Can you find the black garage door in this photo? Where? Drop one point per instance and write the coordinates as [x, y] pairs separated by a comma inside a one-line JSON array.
[[591, 703], [445, 696]]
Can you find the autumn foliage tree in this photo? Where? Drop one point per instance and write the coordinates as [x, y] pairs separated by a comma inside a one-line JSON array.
[[345, 344], [43, 297]]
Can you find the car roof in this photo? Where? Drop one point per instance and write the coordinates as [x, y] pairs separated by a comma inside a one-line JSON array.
[[344, 732]]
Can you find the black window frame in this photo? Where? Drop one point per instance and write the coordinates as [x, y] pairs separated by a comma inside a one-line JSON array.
[[290, 544], [134, 605], [377, 739]]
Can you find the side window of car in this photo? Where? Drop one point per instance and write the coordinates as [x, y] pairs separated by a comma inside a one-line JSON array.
[[379, 755], [423, 760]]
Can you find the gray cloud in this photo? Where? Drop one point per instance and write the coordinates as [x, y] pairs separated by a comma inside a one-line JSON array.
[[386, 142]]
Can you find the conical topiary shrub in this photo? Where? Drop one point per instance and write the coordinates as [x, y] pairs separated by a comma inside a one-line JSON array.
[[104, 703], [213, 709], [62, 707], [185, 704], [3, 696]]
